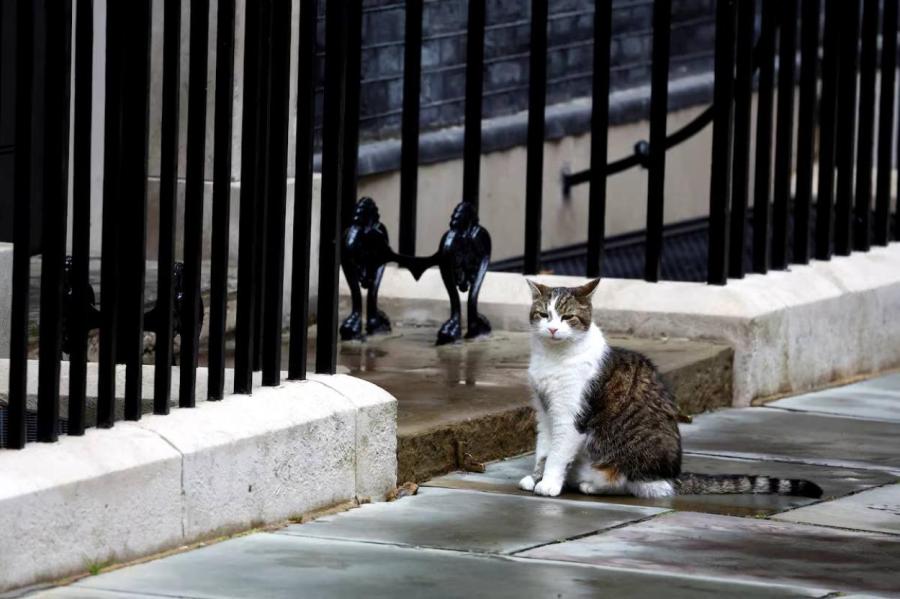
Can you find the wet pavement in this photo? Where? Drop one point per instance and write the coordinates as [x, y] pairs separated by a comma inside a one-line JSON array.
[[476, 535]]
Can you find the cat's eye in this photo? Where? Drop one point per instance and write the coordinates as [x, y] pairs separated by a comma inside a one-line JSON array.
[[569, 317], [541, 314]]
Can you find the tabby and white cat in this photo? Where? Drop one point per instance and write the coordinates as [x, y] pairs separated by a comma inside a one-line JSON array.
[[606, 423]]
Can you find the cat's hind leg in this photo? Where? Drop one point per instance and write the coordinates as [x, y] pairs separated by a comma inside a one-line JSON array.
[[594, 479], [651, 489]]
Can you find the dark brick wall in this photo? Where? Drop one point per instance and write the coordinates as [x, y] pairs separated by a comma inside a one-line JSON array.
[[506, 55]]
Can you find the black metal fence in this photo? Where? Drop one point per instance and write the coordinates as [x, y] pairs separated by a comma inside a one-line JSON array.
[[835, 127]]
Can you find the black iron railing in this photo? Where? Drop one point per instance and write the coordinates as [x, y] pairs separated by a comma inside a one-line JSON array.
[[835, 129]]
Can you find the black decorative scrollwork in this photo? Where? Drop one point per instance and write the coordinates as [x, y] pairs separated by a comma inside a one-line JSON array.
[[89, 316], [463, 256]]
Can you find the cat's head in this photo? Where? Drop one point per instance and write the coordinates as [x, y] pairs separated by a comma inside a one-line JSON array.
[[561, 314]]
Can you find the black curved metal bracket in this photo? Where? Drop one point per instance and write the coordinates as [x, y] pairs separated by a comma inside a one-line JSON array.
[[463, 257], [641, 154], [90, 316]]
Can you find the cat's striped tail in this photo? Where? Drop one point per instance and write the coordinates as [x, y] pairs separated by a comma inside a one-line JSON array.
[[713, 484]]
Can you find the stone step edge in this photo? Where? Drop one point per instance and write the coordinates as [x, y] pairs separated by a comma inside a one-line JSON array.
[[422, 455]]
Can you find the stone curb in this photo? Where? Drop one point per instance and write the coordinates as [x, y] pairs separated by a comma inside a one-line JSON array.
[[167, 481]]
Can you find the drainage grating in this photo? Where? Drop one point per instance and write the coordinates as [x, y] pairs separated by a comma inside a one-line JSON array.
[[30, 424]]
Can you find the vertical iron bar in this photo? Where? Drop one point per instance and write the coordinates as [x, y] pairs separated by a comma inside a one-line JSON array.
[[353, 37], [133, 201], [886, 124], [846, 126], [221, 196], [806, 127], [168, 192], [246, 295], [743, 105], [303, 170], [262, 180], [659, 106], [333, 154], [193, 200], [474, 87], [784, 133], [862, 238], [81, 213], [762, 184], [277, 175], [599, 136], [723, 121], [409, 152], [21, 276], [116, 24], [537, 102], [58, 19], [827, 141]]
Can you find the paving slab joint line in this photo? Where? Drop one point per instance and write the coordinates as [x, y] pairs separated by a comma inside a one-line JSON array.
[[822, 413], [352, 406], [677, 574], [181, 472], [893, 471], [593, 532], [774, 517]]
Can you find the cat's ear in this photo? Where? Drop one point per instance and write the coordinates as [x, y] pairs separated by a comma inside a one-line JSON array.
[[586, 290], [537, 290]]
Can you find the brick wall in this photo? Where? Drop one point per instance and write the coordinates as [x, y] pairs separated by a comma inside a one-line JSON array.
[[506, 55]]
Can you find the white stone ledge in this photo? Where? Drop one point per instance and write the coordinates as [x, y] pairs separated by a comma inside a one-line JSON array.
[[166, 481], [790, 331]]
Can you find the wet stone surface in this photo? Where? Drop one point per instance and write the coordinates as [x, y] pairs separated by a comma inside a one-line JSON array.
[[877, 510], [470, 521], [439, 384], [503, 476], [276, 566], [771, 434], [742, 549]]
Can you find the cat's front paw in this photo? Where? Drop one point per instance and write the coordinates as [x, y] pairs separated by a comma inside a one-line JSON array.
[[527, 483], [548, 488]]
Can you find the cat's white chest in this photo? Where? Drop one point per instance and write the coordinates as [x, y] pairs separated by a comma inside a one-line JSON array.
[[560, 377]]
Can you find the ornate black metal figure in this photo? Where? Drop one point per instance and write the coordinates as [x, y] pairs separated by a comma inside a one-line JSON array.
[[89, 315], [463, 256]]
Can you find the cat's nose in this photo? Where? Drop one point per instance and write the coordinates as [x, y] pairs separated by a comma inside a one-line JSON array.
[[552, 332]]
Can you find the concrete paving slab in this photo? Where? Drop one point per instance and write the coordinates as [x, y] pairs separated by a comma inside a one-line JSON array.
[[503, 477], [276, 566], [771, 434], [863, 402], [471, 521], [742, 549], [875, 510]]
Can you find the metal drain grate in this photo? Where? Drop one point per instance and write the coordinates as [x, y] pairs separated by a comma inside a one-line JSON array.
[[30, 424]]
